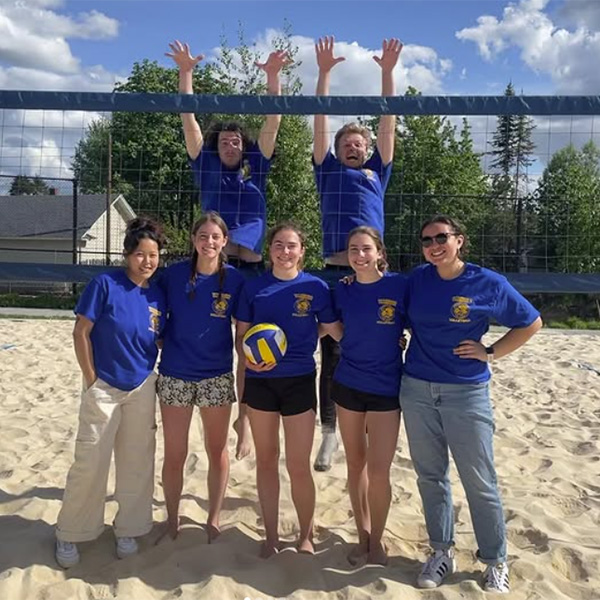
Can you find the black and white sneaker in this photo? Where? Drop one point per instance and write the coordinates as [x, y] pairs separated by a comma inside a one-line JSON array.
[[495, 579], [439, 565]]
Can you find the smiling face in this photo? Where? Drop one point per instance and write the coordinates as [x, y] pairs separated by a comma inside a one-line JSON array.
[[286, 252], [230, 147], [209, 240], [352, 150], [363, 254], [142, 262], [442, 255]]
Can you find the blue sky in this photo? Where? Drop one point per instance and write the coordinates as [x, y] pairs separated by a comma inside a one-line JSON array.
[[451, 47]]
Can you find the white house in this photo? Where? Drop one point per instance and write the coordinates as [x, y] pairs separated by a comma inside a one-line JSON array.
[[39, 229]]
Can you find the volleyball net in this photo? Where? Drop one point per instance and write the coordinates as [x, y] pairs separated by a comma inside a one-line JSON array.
[[522, 173]]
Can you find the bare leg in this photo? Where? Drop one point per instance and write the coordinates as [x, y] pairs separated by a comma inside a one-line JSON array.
[[215, 422], [353, 427], [265, 431], [299, 435], [383, 438], [241, 426], [176, 425]]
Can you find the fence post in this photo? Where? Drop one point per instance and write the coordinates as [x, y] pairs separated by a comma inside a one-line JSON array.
[[75, 228]]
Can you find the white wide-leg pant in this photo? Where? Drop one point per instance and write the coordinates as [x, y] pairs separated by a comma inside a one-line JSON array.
[[111, 419]]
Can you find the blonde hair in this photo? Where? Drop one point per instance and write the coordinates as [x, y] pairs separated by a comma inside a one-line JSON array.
[[352, 128]]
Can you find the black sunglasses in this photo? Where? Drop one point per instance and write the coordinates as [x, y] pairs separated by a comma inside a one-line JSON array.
[[440, 238]]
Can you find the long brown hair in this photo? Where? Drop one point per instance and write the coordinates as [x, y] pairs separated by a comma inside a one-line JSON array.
[[287, 226], [382, 263], [208, 217]]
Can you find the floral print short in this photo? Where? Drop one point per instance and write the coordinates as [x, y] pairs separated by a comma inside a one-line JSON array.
[[215, 391]]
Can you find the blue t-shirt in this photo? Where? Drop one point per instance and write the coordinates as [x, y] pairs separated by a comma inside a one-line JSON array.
[[128, 320], [198, 342], [350, 198], [297, 306], [373, 318], [238, 195], [442, 313]]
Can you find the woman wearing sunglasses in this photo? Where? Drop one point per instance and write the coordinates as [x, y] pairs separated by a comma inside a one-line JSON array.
[[445, 393]]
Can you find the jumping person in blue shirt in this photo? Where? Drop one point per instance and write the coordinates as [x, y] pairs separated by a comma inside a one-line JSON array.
[[229, 169], [196, 367], [120, 316], [445, 395], [285, 391], [366, 383], [351, 186]]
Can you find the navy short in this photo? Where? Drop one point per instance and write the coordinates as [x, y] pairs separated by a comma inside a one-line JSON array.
[[286, 395], [358, 401]]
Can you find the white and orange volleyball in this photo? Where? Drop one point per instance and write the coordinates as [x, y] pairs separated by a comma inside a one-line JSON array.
[[264, 342]]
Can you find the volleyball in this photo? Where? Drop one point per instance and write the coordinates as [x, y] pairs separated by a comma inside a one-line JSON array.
[[264, 342]]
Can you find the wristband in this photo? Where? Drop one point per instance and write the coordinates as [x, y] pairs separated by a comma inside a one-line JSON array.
[[489, 350]]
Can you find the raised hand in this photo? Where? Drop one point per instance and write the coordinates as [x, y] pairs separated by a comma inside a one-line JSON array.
[[390, 52], [325, 58], [182, 56], [276, 61]]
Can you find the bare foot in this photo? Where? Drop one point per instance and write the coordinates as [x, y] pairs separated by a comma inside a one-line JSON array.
[[213, 532], [359, 551], [268, 549], [168, 528], [305, 546], [378, 554], [329, 446], [244, 445]]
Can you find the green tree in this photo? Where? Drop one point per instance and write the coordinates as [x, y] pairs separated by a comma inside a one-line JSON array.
[[28, 186], [568, 211], [436, 170], [512, 148]]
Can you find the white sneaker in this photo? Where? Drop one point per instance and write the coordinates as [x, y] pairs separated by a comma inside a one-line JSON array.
[[329, 445], [126, 546], [66, 554], [495, 579], [439, 565]]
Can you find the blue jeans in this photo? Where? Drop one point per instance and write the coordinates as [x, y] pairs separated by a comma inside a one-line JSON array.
[[458, 417]]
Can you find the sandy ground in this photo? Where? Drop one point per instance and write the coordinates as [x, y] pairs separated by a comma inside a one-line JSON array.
[[547, 401]]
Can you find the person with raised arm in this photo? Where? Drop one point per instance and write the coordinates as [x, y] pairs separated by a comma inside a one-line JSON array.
[[351, 187], [229, 168]]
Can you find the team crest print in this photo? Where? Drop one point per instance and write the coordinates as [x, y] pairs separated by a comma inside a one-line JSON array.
[[245, 170], [302, 305], [154, 316], [368, 173], [461, 309], [386, 312], [219, 305]]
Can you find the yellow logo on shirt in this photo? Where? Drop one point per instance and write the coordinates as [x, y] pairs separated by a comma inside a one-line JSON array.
[[387, 311], [368, 173], [302, 305], [155, 315], [220, 305], [460, 309], [245, 170]]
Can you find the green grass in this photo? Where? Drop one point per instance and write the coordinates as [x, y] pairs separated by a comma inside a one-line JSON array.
[[41, 301], [574, 323]]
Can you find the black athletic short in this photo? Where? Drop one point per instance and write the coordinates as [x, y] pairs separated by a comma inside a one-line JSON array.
[[358, 401], [286, 395]]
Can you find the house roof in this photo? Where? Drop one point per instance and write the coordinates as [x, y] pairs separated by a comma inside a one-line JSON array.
[[49, 216]]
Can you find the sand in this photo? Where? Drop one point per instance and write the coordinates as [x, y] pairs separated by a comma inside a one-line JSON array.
[[547, 443]]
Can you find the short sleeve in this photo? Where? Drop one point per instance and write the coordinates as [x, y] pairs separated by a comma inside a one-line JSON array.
[[92, 301], [324, 310], [384, 171], [511, 309], [244, 311], [338, 299], [329, 165]]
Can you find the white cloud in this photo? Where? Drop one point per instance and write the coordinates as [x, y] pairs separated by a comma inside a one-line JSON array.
[[36, 55], [33, 36], [569, 57]]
